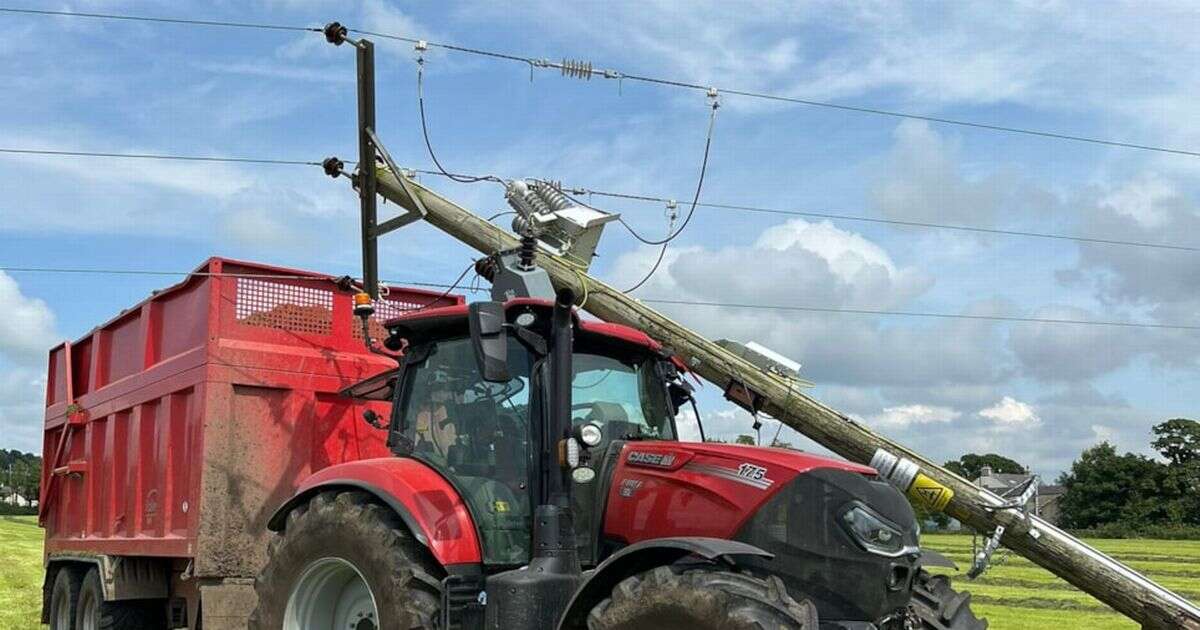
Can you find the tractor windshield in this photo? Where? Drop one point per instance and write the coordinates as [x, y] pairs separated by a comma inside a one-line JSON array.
[[625, 398]]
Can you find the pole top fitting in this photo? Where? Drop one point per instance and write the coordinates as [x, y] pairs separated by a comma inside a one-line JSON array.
[[335, 33]]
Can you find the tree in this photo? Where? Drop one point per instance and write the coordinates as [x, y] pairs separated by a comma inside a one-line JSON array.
[[1104, 488], [970, 465], [745, 439], [1178, 440]]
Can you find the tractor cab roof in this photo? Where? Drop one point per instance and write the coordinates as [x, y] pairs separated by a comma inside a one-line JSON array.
[[447, 321]]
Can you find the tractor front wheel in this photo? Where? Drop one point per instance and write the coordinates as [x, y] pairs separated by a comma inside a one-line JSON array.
[[704, 598], [345, 562], [940, 607]]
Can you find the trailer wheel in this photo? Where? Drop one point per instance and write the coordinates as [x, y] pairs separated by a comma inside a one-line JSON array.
[[346, 562], [940, 607], [64, 596], [705, 598], [93, 613]]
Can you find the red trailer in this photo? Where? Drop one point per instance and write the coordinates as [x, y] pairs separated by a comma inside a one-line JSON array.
[[173, 431]]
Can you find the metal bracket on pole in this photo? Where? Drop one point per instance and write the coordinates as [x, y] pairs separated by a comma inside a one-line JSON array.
[[370, 150], [1024, 493]]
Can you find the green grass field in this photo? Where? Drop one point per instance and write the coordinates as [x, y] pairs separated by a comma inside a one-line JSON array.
[[1015, 595], [20, 573]]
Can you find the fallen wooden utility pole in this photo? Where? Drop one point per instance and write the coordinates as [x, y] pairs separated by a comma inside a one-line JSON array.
[[1091, 571]]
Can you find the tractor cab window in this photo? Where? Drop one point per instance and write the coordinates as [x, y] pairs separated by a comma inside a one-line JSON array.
[[477, 433], [625, 398]]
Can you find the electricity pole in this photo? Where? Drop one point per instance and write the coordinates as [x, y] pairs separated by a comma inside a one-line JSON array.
[[1108, 580]]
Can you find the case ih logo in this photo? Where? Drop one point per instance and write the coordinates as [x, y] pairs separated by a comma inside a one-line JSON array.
[[658, 460]]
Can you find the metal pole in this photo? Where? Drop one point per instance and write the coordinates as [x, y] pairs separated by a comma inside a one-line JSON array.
[[1103, 577], [367, 185]]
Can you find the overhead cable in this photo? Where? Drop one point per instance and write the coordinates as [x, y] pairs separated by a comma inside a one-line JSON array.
[[577, 191], [160, 20], [585, 69], [712, 120], [157, 156], [653, 300]]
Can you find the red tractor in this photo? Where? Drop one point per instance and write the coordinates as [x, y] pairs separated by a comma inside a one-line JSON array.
[[539, 478], [539, 481]]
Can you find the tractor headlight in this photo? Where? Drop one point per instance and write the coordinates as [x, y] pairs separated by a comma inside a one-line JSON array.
[[590, 434], [573, 449], [873, 533]]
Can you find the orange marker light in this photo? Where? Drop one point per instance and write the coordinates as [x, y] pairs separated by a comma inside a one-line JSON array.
[[362, 304]]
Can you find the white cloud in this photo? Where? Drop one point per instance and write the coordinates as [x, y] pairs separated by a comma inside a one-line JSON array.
[[1142, 199], [27, 326], [22, 391], [908, 415], [1011, 413]]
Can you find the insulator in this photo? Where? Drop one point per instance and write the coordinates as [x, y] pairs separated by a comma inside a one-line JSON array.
[[486, 268], [528, 250], [522, 225], [553, 197], [577, 68], [537, 203]]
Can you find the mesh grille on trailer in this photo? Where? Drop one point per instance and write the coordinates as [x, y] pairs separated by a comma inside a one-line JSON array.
[[273, 304]]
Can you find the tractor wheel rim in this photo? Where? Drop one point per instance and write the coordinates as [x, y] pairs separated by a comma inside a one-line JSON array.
[[331, 594], [90, 611]]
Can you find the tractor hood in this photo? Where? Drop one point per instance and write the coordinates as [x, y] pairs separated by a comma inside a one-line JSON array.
[[802, 508], [661, 489]]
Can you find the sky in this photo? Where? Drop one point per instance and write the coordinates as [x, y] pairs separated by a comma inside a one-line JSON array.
[[1039, 393]]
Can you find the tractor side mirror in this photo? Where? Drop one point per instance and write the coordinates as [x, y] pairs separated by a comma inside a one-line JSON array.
[[489, 340], [681, 393]]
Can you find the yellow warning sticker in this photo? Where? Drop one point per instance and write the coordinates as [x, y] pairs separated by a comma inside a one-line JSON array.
[[929, 493], [500, 506]]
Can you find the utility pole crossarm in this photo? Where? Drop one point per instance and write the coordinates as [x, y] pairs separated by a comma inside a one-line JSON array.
[[1034, 538]]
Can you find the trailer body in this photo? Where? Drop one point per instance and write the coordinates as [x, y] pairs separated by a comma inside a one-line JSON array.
[[174, 430]]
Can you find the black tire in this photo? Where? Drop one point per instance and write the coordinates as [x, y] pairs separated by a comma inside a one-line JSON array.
[[352, 527], [940, 607], [708, 598], [121, 615], [65, 595]]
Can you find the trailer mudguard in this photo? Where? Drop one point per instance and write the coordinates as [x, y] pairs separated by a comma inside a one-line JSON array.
[[427, 503], [642, 557]]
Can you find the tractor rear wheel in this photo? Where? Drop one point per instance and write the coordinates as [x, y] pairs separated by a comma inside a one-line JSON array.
[[940, 607], [345, 561], [705, 598]]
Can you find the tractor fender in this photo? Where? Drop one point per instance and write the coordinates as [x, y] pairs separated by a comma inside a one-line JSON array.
[[641, 557], [432, 509]]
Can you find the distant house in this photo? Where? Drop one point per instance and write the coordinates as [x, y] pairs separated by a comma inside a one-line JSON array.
[[10, 497], [1045, 501]]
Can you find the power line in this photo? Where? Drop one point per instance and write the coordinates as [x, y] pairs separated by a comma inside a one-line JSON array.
[[579, 191], [585, 69], [157, 156], [160, 20], [862, 311], [425, 134], [638, 197], [666, 242], [203, 274], [713, 304]]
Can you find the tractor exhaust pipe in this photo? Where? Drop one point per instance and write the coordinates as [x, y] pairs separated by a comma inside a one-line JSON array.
[[562, 373]]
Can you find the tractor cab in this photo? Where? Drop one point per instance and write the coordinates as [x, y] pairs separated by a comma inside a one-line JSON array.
[[485, 436]]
